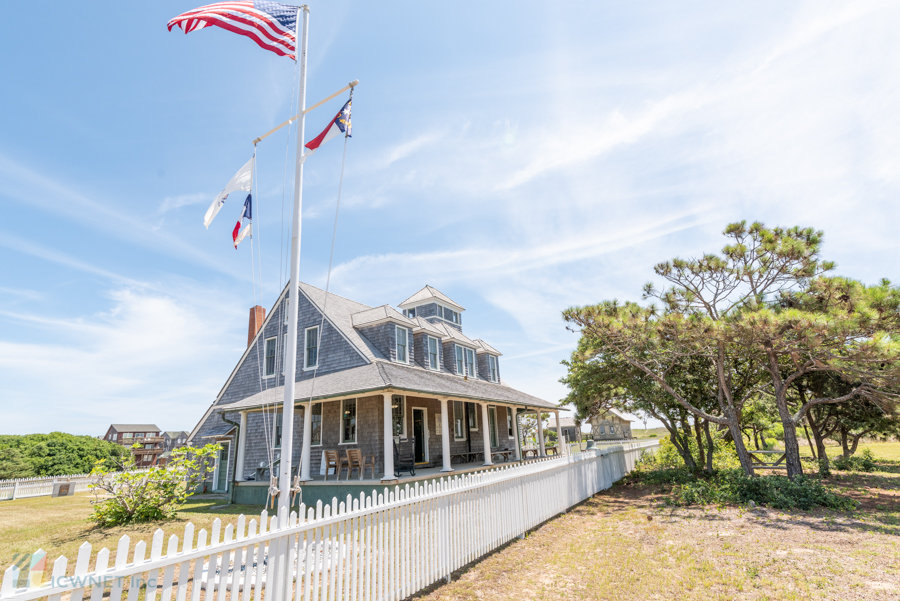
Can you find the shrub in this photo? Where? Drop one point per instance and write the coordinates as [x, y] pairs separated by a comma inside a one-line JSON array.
[[149, 495], [864, 462], [734, 487]]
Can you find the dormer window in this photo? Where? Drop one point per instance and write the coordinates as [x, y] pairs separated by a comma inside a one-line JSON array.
[[401, 344], [410, 313], [470, 363], [492, 360], [460, 367], [433, 353]]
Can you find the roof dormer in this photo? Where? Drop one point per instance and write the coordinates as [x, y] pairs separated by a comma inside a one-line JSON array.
[[433, 305]]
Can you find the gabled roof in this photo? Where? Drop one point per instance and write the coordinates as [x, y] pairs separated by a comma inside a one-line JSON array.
[[384, 313], [455, 335], [567, 422], [339, 311], [620, 415], [369, 379], [176, 433], [427, 294], [484, 347], [135, 427], [423, 325]]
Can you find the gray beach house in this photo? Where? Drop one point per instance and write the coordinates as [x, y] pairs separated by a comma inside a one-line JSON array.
[[367, 370]]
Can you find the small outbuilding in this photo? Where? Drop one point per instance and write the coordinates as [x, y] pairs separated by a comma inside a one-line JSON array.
[[612, 425]]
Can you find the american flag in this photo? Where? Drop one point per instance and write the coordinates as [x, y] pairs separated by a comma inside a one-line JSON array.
[[269, 24]]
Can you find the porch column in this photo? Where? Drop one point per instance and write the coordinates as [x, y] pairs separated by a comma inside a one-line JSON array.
[[515, 422], [445, 436], [306, 448], [540, 425], [561, 445], [485, 426], [388, 440], [242, 445]]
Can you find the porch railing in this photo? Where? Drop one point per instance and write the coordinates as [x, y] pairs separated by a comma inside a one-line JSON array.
[[384, 546]]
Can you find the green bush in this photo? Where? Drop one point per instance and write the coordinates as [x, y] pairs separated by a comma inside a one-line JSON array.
[[864, 462], [734, 487], [54, 454], [157, 493]]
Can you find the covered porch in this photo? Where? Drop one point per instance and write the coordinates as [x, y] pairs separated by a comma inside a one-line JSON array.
[[430, 435]]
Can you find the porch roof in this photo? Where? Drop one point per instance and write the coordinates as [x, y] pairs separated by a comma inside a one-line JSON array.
[[380, 375]]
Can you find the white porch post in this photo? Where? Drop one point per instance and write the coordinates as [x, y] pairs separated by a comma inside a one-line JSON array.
[[485, 430], [515, 423], [560, 439], [388, 439], [306, 448], [242, 445], [540, 425], [445, 436]]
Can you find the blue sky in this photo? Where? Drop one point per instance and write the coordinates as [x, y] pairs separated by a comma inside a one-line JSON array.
[[521, 157]]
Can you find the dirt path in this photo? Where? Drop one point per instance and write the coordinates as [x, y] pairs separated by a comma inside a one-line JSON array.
[[623, 544]]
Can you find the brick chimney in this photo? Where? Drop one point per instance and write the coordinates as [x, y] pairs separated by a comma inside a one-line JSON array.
[[257, 317]]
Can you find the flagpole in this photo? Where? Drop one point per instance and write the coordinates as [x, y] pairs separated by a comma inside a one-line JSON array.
[[287, 421]]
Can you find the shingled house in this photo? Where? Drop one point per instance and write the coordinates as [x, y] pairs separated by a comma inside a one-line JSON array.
[[411, 370]]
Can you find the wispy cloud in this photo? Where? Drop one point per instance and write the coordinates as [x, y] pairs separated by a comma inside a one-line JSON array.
[[176, 202]]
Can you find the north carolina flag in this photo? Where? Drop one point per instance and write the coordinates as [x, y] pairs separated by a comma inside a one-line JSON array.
[[339, 125], [237, 235]]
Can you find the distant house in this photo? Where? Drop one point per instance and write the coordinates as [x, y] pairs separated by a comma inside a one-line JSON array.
[[612, 425], [570, 430], [385, 378], [174, 439], [148, 436]]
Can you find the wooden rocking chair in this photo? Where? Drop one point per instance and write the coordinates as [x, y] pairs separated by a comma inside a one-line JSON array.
[[407, 463]]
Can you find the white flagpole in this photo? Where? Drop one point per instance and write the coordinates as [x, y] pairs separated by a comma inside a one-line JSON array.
[[287, 421]]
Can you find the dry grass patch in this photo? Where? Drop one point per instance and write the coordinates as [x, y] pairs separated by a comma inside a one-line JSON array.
[[59, 526], [624, 543]]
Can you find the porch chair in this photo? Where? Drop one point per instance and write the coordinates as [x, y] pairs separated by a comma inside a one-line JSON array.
[[356, 460], [406, 463], [332, 460]]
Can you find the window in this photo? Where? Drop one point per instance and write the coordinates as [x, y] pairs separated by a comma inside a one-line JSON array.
[[433, 356], [277, 444], [316, 423], [447, 314], [473, 417], [459, 421], [509, 422], [460, 369], [348, 421], [470, 363], [411, 313], [401, 344], [271, 345], [398, 411], [492, 360], [311, 358]]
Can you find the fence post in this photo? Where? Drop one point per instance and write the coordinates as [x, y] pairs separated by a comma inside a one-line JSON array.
[[15, 490]]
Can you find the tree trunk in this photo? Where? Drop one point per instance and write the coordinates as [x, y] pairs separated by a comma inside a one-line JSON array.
[[676, 442], [812, 449], [844, 447], [856, 442], [791, 447], [698, 431], [819, 437], [709, 448], [735, 429], [755, 439]]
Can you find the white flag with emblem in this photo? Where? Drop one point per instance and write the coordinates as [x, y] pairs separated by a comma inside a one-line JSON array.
[[241, 181]]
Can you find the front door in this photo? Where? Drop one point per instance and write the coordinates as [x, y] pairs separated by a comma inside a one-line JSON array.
[[222, 469], [421, 435]]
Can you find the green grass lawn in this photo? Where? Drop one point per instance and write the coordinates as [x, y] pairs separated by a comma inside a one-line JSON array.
[[59, 526]]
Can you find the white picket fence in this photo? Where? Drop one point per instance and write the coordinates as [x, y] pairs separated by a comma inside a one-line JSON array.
[[385, 546], [21, 488]]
